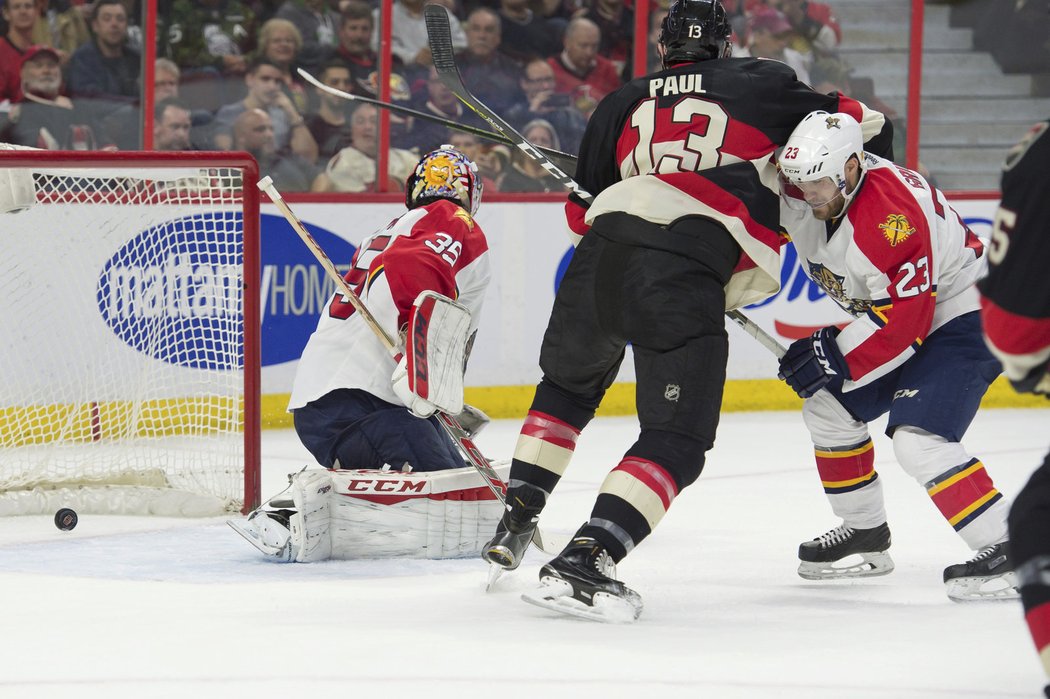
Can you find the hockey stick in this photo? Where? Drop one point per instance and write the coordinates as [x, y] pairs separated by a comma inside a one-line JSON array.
[[439, 34], [448, 422], [567, 159]]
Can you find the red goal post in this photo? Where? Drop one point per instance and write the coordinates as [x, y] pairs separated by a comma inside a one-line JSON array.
[[129, 332]]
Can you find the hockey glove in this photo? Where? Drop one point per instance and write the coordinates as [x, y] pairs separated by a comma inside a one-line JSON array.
[[1036, 381], [420, 407], [810, 363]]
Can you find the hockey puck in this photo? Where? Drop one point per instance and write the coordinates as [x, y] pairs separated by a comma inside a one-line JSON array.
[[65, 519]]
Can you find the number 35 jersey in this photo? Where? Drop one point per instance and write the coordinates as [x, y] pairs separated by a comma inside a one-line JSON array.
[[696, 140], [900, 260], [437, 247]]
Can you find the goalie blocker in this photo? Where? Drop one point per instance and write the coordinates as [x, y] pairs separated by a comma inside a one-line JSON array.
[[351, 514]]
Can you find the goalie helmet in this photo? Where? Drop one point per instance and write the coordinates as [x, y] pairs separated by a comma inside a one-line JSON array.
[[695, 30], [818, 148], [444, 173]]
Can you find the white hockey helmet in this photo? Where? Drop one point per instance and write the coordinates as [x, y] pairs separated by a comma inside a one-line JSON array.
[[444, 173], [819, 148]]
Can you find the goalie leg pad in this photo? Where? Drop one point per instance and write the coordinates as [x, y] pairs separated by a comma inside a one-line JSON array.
[[443, 514], [310, 524]]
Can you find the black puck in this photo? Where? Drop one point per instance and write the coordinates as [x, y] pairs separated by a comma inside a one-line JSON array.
[[65, 519]]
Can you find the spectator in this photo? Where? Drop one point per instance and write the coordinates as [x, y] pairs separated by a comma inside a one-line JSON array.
[[426, 135], [353, 169], [355, 49], [579, 71], [471, 146], [20, 17], [265, 91], [409, 33], [526, 34], [330, 124], [491, 76], [616, 24], [280, 43], [541, 102], [214, 36], [817, 31], [63, 25], [253, 132], [171, 126], [768, 35], [105, 68], [318, 26], [44, 118], [524, 173]]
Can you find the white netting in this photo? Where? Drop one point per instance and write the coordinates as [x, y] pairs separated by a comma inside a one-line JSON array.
[[121, 342]]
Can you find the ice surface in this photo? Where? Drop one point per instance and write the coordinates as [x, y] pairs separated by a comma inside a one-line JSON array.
[[148, 607]]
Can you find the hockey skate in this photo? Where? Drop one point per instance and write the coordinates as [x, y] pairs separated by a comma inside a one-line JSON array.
[[987, 576], [268, 531], [514, 532], [845, 552], [581, 582]]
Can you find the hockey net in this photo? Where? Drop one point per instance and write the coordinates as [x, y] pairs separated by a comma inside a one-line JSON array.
[[128, 375]]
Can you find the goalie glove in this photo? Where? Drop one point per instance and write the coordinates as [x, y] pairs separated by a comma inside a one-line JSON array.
[[429, 376], [810, 363]]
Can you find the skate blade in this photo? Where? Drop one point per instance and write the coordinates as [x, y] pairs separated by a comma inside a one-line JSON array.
[[980, 589], [252, 537], [870, 565], [495, 571], [556, 595]]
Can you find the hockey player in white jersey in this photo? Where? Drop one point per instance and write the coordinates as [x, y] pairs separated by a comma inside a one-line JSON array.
[[368, 418], [885, 245]]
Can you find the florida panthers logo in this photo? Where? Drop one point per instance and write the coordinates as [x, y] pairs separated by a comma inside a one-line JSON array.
[[832, 122], [896, 229], [832, 285]]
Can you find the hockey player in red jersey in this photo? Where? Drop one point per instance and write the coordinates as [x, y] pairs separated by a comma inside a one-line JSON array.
[[683, 225], [349, 396], [1015, 309], [886, 246]]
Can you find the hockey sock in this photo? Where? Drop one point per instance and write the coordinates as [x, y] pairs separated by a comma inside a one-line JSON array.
[[963, 493], [846, 469]]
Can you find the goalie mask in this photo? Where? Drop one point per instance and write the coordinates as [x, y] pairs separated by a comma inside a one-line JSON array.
[[444, 174], [695, 30], [813, 162]]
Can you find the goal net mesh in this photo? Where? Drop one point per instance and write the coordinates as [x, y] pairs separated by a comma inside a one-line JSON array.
[[122, 378]]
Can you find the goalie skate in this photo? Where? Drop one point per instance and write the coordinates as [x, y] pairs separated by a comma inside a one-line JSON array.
[[266, 531], [987, 576], [581, 582], [845, 552]]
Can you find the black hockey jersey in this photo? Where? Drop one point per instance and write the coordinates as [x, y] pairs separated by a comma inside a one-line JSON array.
[[698, 139], [1015, 307]]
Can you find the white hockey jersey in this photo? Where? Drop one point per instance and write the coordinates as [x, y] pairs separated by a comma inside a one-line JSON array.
[[900, 260], [436, 247]]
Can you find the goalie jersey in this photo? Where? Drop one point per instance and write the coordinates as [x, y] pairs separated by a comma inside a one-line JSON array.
[[696, 140], [1016, 303], [900, 260], [437, 247]]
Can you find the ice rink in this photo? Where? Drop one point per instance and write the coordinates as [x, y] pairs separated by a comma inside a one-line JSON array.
[[145, 608]]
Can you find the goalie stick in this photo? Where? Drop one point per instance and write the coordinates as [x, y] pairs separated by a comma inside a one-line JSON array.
[[567, 159], [439, 33], [451, 426]]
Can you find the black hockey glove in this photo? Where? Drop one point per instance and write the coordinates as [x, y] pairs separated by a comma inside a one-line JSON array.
[[810, 363], [1036, 381]]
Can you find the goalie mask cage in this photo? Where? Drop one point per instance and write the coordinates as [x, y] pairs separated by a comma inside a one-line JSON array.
[[129, 377]]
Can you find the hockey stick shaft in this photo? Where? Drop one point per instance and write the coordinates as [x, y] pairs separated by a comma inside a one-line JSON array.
[[567, 159], [439, 33], [450, 424]]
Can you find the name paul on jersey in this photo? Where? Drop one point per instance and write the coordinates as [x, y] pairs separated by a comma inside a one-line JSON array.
[[832, 285], [676, 85]]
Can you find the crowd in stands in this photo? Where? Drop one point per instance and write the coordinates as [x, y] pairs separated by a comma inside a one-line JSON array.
[[225, 77]]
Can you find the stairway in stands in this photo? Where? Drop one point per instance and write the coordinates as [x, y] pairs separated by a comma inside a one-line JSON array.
[[971, 111]]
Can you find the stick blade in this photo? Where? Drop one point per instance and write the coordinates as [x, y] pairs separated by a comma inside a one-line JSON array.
[[439, 32]]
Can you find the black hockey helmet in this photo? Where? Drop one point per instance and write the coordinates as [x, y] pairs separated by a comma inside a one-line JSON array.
[[695, 30]]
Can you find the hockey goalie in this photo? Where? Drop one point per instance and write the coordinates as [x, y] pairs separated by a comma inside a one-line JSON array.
[[394, 483]]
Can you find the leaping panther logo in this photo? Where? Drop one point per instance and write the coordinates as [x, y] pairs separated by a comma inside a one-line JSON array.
[[832, 284]]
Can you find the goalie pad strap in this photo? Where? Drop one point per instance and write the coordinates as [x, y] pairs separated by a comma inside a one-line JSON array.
[[436, 345]]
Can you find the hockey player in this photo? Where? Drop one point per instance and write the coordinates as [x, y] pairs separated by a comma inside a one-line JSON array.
[[1016, 314], [353, 405], [684, 225], [886, 247]]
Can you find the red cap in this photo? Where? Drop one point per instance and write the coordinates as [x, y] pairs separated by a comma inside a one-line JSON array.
[[771, 20], [34, 51]]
